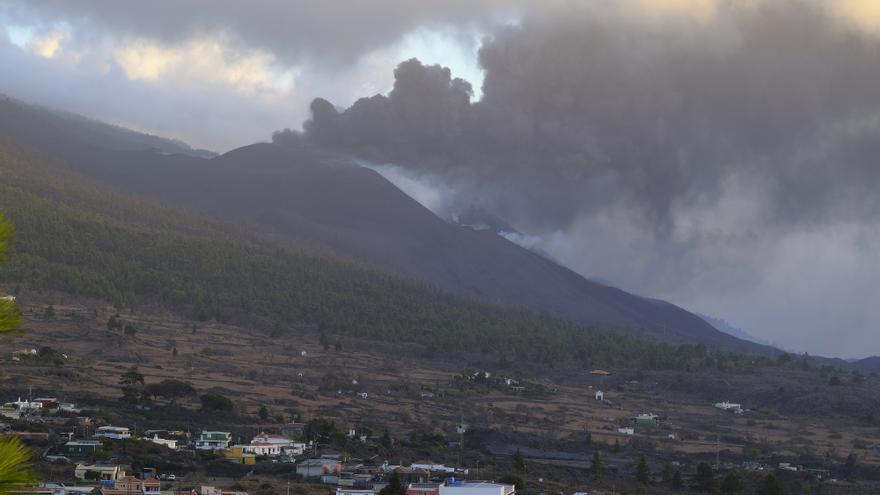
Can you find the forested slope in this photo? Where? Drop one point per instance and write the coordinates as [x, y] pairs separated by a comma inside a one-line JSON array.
[[305, 198], [77, 237]]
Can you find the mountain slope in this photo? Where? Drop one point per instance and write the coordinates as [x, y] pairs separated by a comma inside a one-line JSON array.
[[65, 127], [305, 199], [79, 238]]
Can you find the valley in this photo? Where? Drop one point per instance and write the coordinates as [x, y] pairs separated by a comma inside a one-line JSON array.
[[554, 420]]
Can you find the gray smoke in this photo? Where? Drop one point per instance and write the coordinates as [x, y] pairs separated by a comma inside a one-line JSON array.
[[595, 110], [676, 158]]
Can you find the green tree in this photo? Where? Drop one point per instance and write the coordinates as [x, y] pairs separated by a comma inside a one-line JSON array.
[[677, 481], [667, 473], [596, 466], [513, 479], [170, 389], [394, 487], [212, 401], [132, 382], [731, 484], [771, 486], [14, 457], [643, 471], [263, 413], [387, 442], [704, 479], [519, 461]]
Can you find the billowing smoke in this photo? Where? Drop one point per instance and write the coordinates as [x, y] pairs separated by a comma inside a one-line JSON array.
[[679, 158]]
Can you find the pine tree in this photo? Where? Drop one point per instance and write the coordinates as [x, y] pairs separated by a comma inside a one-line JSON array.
[[519, 461], [394, 487], [596, 467], [667, 473], [704, 480], [677, 482], [771, 486], [731, 484], [643, 471]]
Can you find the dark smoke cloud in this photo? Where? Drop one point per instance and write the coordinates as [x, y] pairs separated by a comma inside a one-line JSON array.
[[677, 158], [658, 112]]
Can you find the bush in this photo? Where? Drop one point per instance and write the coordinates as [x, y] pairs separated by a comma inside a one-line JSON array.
[[212, 401]]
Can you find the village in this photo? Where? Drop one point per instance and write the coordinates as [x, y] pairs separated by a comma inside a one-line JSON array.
[[89, 454], [252, 413]]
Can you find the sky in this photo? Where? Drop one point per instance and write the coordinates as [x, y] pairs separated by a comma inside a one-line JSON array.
[[719, 154]]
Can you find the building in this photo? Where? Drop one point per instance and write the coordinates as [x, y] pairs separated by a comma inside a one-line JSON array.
[[730, 406], [354, 491], [210, 490], [93, 472], [600, 373], [47, 402], [266, 444], [646, 420], [113, 432], [26, 405], [62, 489], [171, 444], [432, 467], [237, 454], [315, 468], [459, 487], [411, 475], [627, 430], [291, 430], [213, 440], [263, 449], [129, 485], [81, 448], [600, 396], [423, 489]]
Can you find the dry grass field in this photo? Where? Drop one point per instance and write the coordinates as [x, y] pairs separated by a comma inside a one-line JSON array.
[[407, 391]]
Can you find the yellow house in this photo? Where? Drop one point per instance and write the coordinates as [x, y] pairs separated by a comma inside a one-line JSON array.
[[237, 454]]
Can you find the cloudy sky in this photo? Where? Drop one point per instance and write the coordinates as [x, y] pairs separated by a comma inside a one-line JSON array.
[[719, 154]]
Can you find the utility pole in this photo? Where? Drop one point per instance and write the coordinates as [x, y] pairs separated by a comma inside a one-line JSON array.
[[461, 429]]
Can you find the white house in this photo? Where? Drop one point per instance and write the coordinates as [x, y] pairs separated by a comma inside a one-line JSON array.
[[262, 449], [113, 432], [26, 405], [8, 298], [171, 444], [600, 396], [627, 430], [431, 466], [458, 487], [273, 445], [729, 406]]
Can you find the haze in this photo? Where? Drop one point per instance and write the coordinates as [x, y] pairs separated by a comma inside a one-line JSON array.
[[720, 155]]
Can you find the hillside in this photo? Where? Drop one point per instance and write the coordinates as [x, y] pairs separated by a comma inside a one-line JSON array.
[[65, 127], [79, 238], [325, 204]]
